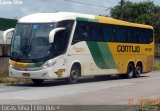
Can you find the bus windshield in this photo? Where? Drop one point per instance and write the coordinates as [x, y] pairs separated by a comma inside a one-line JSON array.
[[31, 41]]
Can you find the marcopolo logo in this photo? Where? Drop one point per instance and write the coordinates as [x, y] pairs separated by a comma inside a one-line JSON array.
[[125, 48]]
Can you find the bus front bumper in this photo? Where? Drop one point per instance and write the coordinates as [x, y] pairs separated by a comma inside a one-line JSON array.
[[46, 73]]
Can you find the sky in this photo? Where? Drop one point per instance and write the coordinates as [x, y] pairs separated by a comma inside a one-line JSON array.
[[19, 8]]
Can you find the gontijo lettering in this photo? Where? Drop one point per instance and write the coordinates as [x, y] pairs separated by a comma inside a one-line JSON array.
[[125, 48]]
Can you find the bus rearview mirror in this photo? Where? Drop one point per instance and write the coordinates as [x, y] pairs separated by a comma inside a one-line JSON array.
[[53, 33], [7, 34]]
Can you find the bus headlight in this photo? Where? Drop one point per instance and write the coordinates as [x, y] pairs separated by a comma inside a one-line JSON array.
[[48, 64]]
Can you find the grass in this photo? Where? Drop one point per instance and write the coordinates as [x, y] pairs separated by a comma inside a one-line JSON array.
[[8, 80], [150, 105], [149, 108], [5, 79], [156, 65], [4, 73], [13, 81]]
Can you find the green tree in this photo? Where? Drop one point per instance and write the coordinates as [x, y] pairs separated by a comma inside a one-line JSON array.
[[143, 12], [7, 23]]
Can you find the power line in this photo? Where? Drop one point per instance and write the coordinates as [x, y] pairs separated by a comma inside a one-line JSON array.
[[101, 6]]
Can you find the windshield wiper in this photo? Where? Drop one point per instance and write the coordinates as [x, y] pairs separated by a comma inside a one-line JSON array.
[[27, 47]]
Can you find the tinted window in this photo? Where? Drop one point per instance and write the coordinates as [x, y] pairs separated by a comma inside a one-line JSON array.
[[149, 36], [132, 35], [90, 31], [80, 32], [141, 36], [108, 33], [120, 34], [62, 37], [87, 31], [94, 32], [145, 36]]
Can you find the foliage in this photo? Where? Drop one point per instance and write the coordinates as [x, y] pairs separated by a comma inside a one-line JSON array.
[[156, 65], [7, 23], [145, 12]]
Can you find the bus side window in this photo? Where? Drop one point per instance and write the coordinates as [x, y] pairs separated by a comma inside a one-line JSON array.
[[149, 36], [145, 36], [58, 46], [132, 35], [108, 33], [62, 37], [120, 34], [80, 33], [93, 32], [100, 33], [141, 36]]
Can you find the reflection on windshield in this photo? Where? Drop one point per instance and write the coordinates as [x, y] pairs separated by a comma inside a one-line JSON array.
[[31, 41]]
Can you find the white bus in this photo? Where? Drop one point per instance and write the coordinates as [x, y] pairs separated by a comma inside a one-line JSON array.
[[70, 45]]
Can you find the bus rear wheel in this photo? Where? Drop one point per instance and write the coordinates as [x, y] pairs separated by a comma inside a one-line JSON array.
[[38, 81], [130, 72], [138, 71], [74, 74]]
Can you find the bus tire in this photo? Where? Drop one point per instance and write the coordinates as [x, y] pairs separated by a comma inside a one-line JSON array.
[[138, 71], [74, 74], [130, 71], [38, 81]]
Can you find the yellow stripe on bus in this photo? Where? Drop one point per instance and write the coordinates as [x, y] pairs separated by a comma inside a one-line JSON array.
[[19, 64]]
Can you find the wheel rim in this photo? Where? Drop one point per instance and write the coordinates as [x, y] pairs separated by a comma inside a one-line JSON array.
[[74, 75], [131, 71], [138, 71]]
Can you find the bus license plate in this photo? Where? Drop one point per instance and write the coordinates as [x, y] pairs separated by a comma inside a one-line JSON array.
[[26, 74]]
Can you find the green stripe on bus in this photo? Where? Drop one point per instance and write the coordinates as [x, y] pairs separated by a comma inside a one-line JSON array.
[[31, 65], [37, 64], [101, 55], [86, 19], [107, 55], [96, 54]]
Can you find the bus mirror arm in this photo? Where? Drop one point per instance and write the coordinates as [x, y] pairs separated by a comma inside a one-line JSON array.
[[5, 33], [53, 33]]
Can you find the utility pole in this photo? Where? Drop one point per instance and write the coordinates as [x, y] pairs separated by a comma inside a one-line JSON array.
[[122, 4]]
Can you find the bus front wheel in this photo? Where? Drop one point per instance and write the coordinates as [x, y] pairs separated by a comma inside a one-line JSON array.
[[37, 81], [74, 74], [130, 72]]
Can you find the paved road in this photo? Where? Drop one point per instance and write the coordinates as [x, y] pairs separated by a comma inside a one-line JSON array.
[[90, 91]]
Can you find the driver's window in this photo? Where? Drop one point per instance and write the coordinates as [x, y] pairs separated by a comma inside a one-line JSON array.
[[62, 38], [58, 44]]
